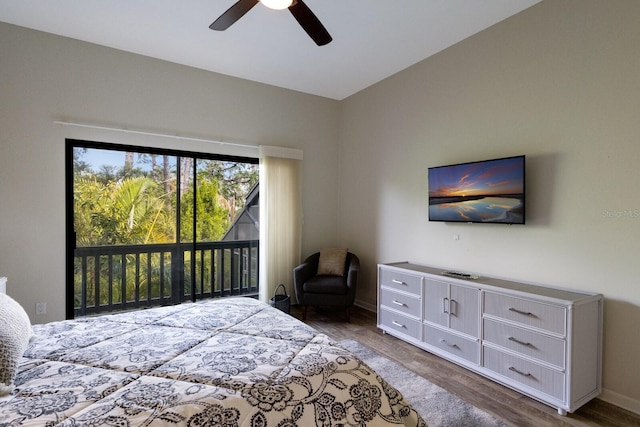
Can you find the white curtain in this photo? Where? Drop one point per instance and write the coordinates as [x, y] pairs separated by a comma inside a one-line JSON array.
[[280, 219]]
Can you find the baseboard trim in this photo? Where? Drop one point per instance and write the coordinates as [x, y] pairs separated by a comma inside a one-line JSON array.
[[620, 400], [369, 307]]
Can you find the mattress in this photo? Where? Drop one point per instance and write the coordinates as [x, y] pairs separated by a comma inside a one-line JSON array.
[[223, 362]]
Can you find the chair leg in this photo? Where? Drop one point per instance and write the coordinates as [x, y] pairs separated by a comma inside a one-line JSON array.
[[348, 316], [304, 312]]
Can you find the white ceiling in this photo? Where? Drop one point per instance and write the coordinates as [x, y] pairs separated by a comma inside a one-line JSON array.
[[372, 39]]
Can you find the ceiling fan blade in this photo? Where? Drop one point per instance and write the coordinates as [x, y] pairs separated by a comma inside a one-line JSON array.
[[310, 23], [232, 14]]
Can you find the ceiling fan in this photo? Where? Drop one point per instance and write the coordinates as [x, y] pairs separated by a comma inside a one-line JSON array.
[[305, 17]]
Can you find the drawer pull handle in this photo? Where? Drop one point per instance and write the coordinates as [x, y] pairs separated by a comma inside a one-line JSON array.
[[524, 374], [399, 325], [450, 345], [398, 282], [526, 313], [399, 303], [445, 305], [528, 344]]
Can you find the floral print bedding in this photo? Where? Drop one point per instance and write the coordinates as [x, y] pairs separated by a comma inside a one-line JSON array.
[[224, 362]]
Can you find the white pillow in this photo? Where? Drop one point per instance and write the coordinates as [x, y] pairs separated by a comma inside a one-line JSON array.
[[14, 338]]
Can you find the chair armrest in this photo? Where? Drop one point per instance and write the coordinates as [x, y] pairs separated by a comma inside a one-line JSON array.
[[305, 271], [352, 273]]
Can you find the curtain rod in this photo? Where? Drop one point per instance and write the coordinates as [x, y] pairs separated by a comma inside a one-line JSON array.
[[148, 133]]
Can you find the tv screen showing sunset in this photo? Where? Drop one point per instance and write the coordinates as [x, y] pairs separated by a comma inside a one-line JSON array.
[[486, 191]]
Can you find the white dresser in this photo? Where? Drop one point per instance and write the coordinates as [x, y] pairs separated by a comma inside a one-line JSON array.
[[543, 342]]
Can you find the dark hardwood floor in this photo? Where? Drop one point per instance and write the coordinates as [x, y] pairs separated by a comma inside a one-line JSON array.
[[510, 406]]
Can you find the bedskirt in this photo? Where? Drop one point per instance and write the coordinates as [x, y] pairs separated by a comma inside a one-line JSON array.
[[223, 362]]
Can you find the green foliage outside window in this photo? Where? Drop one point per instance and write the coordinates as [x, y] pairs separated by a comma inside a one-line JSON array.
[[136, 204]]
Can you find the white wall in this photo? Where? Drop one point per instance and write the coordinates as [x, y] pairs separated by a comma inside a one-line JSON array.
[[559, 83], [45, 78]]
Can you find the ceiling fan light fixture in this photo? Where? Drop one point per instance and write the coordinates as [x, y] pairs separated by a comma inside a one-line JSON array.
[[300, 11], [277, 4]]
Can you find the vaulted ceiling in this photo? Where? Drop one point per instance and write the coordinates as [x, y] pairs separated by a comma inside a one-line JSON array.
[[372, 39]]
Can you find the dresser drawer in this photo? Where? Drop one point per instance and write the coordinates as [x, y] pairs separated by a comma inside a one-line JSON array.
[[393, 321], [401, 281], [408, 304], [526, 342], [519, 371], [526, 312], [453, 344]]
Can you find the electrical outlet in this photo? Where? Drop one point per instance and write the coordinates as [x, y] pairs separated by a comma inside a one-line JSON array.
[[41, 308]]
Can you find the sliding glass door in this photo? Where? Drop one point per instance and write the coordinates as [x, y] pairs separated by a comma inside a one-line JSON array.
[[151, 227]]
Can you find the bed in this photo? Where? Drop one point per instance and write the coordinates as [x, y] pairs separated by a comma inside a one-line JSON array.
[[224, 362]]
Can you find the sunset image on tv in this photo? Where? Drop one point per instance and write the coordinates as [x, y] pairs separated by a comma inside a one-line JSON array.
[[486, 191]]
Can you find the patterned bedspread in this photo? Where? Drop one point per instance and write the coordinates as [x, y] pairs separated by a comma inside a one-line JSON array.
[[225, 362]]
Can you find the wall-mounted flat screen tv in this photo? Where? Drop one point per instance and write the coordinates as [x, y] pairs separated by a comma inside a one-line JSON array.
[[488, 191]]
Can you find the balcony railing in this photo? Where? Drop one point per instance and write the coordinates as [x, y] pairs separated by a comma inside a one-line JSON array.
[[123, 277]]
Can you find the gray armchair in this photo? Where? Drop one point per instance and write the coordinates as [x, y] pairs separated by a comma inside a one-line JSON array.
[[326, 290]]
